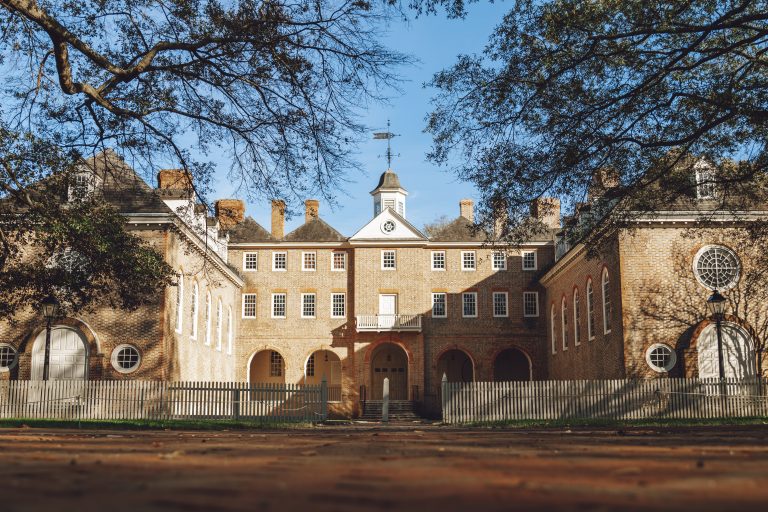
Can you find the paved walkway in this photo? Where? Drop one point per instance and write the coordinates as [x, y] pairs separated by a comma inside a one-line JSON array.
[[369, 467]]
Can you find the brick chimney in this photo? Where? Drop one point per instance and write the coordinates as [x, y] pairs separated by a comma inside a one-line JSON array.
[[311, 210], [546, 210], [174, 179], [467, 209], [603, 180], [230, 213], [278, 219]]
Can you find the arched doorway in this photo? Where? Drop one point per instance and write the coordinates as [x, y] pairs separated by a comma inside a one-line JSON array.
[[511, 364], [324, 363], [389, 361], [267, 366], [68, 359], [456, 366], [738, 352]]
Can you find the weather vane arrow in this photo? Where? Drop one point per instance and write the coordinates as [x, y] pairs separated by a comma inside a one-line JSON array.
[[388, 136]]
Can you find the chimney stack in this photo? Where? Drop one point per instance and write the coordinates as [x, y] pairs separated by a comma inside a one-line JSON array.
[[174, 179], [230, 213], [547, 211], [278, 219], [311, 210], [467, 209], [603, 180]]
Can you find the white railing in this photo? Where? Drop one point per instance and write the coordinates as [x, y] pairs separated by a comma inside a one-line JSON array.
[[625, 399], [380, 323]]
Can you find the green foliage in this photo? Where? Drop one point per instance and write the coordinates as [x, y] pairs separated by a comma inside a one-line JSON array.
[[566, 89]]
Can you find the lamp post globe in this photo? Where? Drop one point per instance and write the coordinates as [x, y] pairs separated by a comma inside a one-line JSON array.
[[50, 309]]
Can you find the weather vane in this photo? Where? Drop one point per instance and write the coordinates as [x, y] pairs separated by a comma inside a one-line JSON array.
[[388, 135]]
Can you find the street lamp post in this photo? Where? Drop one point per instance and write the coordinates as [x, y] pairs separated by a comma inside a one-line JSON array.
[[716, 303], [50, 309]]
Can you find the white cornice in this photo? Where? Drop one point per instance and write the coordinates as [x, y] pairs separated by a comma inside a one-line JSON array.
[[278, 244]]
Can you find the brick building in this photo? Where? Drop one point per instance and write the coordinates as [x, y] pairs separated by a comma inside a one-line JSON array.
[[261, 305]]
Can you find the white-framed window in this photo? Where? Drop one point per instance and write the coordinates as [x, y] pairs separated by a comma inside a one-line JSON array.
[[607, 308], [530, 259], [388, 260], [230, 334], [499, 261], [564, 322], [275, 364], [278, 305], [500, 304], [250, 261], [590, 310], [219, 325], [576, 318], [338, 305], [530, 304], [126, 358], [179, 302], [439, 305], [706, 184], [309, 261], [660, 357], [400, 208], [193, 310], [339, 261], [310, 369], [208, 318], [552, 330], [308, 304], [279, 261], [376, 208], [469, 304], [468, 260], [716, 267], [7, 355], [249, 305], [438, 260]]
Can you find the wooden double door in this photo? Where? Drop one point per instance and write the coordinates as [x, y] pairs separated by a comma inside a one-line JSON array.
[[389, 361]]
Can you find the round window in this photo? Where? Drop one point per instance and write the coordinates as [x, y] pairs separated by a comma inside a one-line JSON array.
[[388, 227], [126, 358], [716, 267], [7, 356], [660, 357]]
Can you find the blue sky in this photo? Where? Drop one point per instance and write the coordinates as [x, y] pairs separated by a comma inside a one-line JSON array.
[[435, 41]]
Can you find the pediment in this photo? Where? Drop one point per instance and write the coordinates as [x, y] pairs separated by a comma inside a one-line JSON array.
[[388, 226]]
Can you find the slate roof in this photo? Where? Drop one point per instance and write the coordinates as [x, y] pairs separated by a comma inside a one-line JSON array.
[[388, 179], [249, 231], [316, 230], [459, 230]]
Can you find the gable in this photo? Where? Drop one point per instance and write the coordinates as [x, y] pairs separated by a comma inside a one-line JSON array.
[[376, 229]]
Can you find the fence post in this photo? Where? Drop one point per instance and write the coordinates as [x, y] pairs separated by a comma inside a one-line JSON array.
[[385, 402], [324, 399], [443, 394], [235, 404]]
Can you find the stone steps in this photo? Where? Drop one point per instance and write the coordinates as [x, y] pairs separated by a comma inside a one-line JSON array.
[[399, 410]]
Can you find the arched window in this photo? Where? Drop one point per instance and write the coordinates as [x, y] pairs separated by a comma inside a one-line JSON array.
[[219, 320], [553, 332], [179, 302], [576, 318], [208, 318], [590, 311], [564, 322], [193, 310], [229, 330], [607, 311]]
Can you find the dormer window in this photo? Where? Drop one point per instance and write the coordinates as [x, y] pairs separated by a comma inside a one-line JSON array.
[[706, 187], [81, 186]]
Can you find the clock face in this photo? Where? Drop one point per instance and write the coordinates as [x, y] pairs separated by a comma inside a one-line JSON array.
[[388, 227]]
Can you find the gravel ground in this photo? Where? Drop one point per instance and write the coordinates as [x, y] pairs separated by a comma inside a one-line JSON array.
[[419, 468]]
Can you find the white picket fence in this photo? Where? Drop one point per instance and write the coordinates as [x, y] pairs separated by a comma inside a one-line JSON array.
[[157, 400], [603, 399]]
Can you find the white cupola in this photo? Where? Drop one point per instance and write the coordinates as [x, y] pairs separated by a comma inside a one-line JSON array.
[[389, 194]]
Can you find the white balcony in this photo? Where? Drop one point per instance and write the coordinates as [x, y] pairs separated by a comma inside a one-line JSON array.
[[379, 323]]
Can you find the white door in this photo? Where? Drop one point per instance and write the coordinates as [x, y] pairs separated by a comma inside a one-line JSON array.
[[68, 357], [387, 310], [738, 354]]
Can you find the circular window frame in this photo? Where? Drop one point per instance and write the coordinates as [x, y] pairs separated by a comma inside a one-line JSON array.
[[15, 356], [701, 252], [115, 364], [384, 224], [659, 369]]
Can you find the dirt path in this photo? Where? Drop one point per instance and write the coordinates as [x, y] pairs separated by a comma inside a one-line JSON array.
[[418, 469]]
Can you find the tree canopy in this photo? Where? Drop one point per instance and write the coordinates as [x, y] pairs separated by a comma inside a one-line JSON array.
[[644, 90]]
